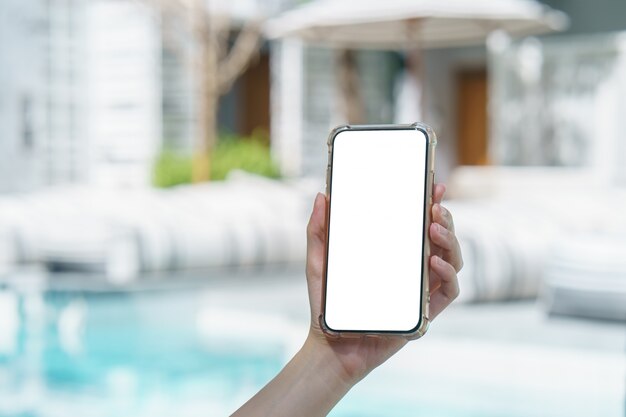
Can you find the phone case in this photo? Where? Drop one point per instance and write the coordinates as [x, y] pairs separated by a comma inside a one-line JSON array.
[[422, 326]]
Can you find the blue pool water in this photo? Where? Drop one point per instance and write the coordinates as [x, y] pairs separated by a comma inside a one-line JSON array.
[[145, 354], [124, 354], [141, 354]]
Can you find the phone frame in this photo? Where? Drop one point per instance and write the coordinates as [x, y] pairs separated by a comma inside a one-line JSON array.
[[423, 322]]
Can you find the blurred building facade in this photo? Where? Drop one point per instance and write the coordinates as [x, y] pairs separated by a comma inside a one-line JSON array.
[[458, 87], [17, 87], [73, 89], [41, 109], [304, 101], [125, 89], [557, 102], [92, 90]]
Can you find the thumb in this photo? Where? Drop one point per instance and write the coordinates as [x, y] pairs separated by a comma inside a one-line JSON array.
[[316, 230]]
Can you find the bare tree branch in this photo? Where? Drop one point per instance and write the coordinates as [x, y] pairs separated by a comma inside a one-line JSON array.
[[235, 63], [221, 25], [348, 83], [216, 66]]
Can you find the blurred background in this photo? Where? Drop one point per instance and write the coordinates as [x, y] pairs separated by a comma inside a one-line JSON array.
[[159, 160]]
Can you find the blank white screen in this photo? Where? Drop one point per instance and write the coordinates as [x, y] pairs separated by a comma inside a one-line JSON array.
[[375, 230]]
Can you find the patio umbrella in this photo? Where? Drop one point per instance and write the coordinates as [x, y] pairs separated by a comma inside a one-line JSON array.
[[410, 24], [397, 24]]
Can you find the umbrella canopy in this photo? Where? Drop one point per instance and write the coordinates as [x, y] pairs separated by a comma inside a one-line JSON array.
[[395, 24]]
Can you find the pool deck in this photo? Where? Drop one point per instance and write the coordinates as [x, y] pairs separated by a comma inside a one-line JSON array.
[[492, 357]]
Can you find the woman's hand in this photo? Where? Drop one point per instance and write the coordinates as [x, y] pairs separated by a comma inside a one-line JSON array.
[[325, 369], [356, 357]]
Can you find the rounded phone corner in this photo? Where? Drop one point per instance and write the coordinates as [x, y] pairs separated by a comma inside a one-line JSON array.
[[329, 331], [428, 131], [419, 330], [336, 131]]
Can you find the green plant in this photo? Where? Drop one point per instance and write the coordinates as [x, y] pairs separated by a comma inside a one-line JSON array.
[[249, 154], [171, 168]]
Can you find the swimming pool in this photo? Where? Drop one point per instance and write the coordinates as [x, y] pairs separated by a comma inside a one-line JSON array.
[[122, 354], [145, 354], [182, 351]]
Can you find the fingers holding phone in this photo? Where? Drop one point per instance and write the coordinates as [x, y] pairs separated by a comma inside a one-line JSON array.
[[446, 259]]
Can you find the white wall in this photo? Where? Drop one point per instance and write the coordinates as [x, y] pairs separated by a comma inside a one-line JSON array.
[[65, 147], [124, 78], [22, 99], [566, 112], [42, 94], [286, 105]]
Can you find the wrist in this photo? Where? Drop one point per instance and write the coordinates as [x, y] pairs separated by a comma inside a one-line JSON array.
[[310, 385], [321, 352]]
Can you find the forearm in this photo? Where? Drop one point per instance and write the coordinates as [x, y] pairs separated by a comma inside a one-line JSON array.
[[309, 385]]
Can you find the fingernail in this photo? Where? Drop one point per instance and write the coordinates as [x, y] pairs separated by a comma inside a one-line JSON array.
[[438, 260], [441, 229]]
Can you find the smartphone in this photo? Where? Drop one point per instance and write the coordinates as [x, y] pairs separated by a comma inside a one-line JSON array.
[[379, 184]]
